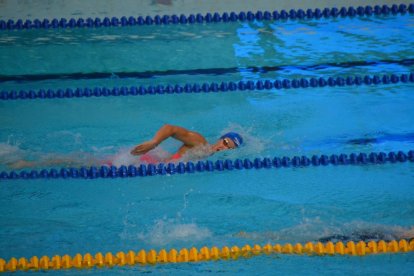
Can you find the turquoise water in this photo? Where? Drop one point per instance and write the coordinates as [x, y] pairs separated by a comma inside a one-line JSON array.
[[48, 217]]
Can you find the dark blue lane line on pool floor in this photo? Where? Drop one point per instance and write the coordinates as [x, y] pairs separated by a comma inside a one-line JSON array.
[[206, 71], [385, 137], [292, 14], [209, 166], [209, 87]]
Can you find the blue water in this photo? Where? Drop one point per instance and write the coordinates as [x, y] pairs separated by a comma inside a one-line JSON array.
[[48, 217]]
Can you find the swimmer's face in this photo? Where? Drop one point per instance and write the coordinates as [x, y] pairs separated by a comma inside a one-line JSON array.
[[224, 144]]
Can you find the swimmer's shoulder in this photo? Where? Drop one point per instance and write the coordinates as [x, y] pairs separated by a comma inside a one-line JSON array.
[[196, 138]]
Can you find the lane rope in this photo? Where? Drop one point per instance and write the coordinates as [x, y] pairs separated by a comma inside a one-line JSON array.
[[281, 15], [203, 254], [231, 86], [208, 166]]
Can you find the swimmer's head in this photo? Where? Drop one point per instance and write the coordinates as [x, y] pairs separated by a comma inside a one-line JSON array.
[[230, 140]]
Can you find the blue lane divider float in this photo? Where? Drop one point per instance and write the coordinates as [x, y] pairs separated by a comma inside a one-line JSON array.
[[208, 18], [208, 87], [209, 166]]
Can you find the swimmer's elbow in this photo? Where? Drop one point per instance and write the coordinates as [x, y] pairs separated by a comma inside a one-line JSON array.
[[170, 129], [176, 132]]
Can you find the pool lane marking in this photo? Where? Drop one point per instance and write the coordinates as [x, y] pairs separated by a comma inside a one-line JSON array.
[[192, 72]]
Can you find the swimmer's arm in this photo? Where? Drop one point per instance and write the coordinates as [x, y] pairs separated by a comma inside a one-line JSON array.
[[189, 138]]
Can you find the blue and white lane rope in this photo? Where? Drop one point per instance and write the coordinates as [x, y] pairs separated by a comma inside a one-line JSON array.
[[209, 87], [209, 166], [208, 18]]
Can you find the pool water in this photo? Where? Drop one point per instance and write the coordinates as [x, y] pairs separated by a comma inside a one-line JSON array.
[[61, 216]]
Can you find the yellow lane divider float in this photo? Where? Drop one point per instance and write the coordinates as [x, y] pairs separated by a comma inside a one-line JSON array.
[[204, 254]]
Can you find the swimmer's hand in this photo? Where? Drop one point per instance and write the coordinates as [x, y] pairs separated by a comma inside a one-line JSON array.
[[144, 148]]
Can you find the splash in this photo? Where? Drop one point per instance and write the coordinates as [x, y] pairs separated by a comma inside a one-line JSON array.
[[66, 137], [124, 157], [252, 144], [10, 153], [197, 153], [165, 232]]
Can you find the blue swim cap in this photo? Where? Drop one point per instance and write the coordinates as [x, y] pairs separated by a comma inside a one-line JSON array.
[[235, 137]]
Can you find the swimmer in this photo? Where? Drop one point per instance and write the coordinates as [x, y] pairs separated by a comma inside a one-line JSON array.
[[365, 234], [191, 140], [372, 235]]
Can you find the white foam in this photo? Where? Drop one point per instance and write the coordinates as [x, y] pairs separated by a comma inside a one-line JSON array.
[[10, 153], [75, 136], [252, 144], [124, 157], [169, 231]]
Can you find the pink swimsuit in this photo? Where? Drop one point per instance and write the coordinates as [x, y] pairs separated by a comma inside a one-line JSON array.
[[152, 160], [146, 158], [176, 156]]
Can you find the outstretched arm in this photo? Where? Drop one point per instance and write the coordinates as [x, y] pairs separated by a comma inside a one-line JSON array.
[[189, 138]]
